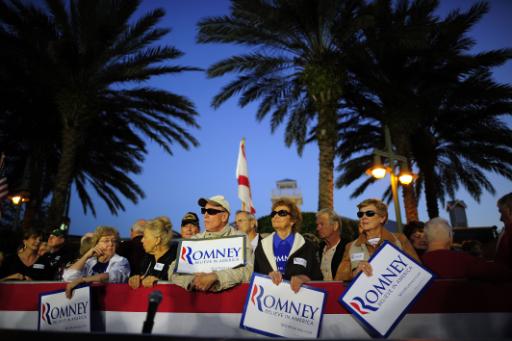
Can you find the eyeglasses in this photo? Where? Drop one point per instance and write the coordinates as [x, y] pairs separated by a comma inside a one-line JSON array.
[[210, 211], [360, 214], [106, 241], [281, 213]]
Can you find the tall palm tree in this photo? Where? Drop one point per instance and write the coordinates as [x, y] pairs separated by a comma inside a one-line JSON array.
[[94, 60], [467, 137], [295, 70], [435, 96]]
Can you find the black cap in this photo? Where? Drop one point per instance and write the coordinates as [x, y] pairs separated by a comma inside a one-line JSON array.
[[190, 218], [58, 233]]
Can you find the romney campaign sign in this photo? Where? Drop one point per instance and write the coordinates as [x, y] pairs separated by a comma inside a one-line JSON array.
[[275, 310], [57, 313], [208, 255], [381, 300]]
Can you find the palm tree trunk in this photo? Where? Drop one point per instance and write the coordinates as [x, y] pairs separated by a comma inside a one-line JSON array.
[[326, 136], [410, 203], [431, 192], [400, 134], [64, 176], [37, 173]]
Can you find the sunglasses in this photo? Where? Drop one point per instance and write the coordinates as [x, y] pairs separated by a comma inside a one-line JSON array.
[[281, 213], [210, 211], [360, 214]]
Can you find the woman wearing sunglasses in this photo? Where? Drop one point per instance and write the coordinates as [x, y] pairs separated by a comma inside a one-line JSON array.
[[285, 254], [372, 214]]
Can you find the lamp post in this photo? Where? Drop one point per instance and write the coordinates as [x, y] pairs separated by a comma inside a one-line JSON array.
[[378, 171], [18, 199]]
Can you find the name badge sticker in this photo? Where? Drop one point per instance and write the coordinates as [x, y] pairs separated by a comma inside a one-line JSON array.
[[38, 266], [357, 256], [159, 266], [300, 261]]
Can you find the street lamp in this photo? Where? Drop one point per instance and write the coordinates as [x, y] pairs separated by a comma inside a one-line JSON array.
[[19, 198], [379, 170]]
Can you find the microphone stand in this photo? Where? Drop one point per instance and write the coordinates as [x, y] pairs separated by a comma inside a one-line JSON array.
[[155, 297]]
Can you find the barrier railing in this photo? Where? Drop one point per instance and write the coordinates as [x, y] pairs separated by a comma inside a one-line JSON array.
[[447, 309]]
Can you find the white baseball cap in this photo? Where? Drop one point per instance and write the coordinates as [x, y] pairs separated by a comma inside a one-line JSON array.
[[215, 200]]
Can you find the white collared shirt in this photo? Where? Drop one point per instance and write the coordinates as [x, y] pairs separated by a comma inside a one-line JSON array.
[[325, 265]]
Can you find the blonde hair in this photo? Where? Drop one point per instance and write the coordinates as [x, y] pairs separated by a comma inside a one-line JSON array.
[[380, 206], [160, 229], [102, 231], [86, 243], [165, 220]]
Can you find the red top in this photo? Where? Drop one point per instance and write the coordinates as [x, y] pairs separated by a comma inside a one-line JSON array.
[[504, 250], [461, 265]]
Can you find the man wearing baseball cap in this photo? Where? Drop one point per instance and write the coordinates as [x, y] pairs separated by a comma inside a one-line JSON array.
[[216, 211], [59, 254], [189, 225]]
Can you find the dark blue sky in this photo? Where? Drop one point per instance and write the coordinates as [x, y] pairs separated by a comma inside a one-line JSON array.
[[174, 183]]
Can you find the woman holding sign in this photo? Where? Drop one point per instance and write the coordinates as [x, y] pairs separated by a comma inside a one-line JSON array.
[[159, 255], [372, 214], [100, 264], [285, 254]]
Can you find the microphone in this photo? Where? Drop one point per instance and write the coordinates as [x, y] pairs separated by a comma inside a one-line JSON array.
[[155, 297]]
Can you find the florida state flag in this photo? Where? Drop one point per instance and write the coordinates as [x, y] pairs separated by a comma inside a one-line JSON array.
[[242, 175]]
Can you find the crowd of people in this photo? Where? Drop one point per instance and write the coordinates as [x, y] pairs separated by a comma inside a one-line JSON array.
[[150, 255]]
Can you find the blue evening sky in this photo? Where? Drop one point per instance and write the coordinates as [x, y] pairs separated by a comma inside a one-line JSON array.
[[173, 184]]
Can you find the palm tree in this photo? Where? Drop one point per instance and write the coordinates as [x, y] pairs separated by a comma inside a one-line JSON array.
[[435, 96], [466, 138], [295, 71], [93, 62]]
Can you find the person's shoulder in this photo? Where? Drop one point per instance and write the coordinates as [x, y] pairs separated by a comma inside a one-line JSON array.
[[400, 236], [265, 235], [118, 258]]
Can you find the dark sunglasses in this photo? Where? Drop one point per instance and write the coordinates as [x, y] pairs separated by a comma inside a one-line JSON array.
[[281, 213], [210, 211], [360, 214]]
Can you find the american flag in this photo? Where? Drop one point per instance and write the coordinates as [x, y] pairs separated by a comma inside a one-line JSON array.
[[4, 190]]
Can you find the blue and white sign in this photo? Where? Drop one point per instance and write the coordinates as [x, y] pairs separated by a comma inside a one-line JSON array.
[[208, 255], [381, 300], [275, 310], [57, 313]]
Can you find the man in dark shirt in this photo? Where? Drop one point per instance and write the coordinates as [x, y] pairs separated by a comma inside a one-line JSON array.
[[132, 249], [59, 254]]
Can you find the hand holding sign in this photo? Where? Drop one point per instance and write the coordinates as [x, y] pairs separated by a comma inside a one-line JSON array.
[[380, 301], [274, 310], [365, 267], [204, 281]]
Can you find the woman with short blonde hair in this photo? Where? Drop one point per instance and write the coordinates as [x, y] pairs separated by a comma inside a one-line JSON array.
[[159, 254], [372, 214], [100, 263]]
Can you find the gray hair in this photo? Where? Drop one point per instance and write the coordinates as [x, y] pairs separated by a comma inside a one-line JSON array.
[[249, 216], [159, 228], [438, 229], [332, 215], [138, 226]]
